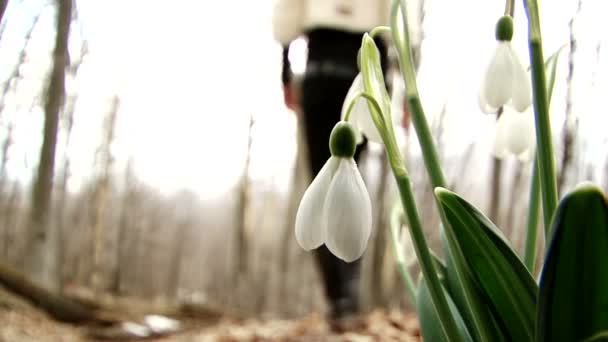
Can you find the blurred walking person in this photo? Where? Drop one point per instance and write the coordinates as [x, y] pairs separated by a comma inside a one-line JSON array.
[[333, 30]]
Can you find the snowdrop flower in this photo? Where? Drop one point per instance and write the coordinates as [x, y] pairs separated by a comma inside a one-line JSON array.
[[515, 134], [506, 80], [336, 209]]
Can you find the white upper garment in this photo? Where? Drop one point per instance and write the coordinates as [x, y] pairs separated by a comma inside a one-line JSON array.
[[293, 17]]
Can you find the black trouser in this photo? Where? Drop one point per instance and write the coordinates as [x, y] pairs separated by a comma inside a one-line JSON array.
[[322, 98]]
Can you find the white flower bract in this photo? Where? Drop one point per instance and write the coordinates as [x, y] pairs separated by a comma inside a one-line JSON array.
[[505, 81], [360, 116], [515, 134], [336, 210]]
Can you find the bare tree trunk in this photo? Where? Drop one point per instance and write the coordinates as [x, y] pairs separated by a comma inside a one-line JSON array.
[[10, 214], [300, 180], [567, 133], [40, 259], [509, 224], [495, 190], [3, 5], [241, 245], [377, 284], [6, 87], [58, 307], [176, 260], [61, 191], [125, 225], [100, 198], [241, 241], [3, 203], [61, 188]]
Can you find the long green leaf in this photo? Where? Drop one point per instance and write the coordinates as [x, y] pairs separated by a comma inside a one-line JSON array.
[[429, 319], [573, 297], [506, 286], [466, 295], [468, 298], [551, 70]]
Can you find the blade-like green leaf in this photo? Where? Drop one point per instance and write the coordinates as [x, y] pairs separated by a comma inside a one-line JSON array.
[[599, 337], [573, 297], [429, 320], [551, 70], [506, 286], [373, 79], [467, 297], [439, 266]]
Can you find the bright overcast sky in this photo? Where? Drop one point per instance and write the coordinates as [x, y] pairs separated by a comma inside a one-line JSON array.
[[190, 75]]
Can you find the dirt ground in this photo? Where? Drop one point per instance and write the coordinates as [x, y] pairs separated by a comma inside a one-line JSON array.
[[22, 322]]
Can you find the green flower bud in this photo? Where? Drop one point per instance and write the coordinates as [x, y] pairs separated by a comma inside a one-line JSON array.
[[343, 141], [504, 28]]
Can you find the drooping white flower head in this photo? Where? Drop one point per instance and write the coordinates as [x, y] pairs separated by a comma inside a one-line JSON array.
[[515, 134], [505, 81], [336, 209]]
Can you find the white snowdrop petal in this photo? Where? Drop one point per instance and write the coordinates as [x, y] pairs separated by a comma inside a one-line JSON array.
[[360, 108], [355, 88], [520, 134], [483, 104], [360, 116], [521, 92], [498, 80], [310, 229], [366, 124], [516, 134], [348, 211], [526, 156], [499, 150]]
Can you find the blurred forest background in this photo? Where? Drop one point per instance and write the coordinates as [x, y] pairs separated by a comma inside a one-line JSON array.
[[145, 150]]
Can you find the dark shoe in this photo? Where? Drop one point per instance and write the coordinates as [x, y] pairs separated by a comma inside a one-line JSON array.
[[343, 307]]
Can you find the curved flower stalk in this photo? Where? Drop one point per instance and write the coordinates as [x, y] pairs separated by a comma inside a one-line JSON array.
[[505, 81], [515, 134], [336, 209], [360, 115]]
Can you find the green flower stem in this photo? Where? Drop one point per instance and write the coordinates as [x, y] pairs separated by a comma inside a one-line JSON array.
[[546, 162], [510, 7], [423, 253], [368, 97], [534, 199], [402, 43], [395, 227], [427, 144], [431, 159], [448, 323], [532, 222], [379, 30]]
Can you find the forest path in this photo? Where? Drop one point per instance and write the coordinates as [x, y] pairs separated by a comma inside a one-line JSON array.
[[22, 322]]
